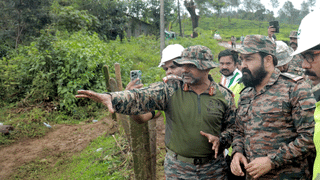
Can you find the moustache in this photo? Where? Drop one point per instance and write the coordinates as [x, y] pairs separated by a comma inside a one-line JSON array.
[[246, 70], [186, 74], [310, 73], [224, 70], [293, 43]]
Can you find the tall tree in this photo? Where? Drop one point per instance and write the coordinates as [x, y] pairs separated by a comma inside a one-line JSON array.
[[137, 8], [232, 3], [218, 5], [149, 11], [252, 5], [191, 7], [304, 9], [311, 3], [111, 15], [22, 20], [288, 14], [274, 4]]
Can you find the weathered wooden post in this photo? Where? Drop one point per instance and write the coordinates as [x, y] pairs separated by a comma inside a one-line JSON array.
[[153, 147], [141, 150], [123, 119], [144, 161], [111, 84]]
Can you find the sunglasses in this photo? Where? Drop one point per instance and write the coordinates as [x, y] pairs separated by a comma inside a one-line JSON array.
[[308, 56]]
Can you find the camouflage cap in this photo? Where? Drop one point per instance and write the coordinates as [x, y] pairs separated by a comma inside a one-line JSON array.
[[198, 55], [293, 34], [283, 52], [257, 43]]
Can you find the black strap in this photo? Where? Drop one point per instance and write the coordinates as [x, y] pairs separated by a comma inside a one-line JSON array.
[[317, 95], [153, 114]]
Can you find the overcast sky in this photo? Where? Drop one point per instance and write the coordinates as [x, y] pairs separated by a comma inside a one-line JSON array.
[[296, 4], [267, 5]]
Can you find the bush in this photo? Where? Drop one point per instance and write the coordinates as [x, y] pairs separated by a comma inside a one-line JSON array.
[[57, 64], [54, 68]]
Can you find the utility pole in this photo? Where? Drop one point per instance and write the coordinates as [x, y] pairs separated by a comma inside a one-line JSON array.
[[161, 26], [179, 18]]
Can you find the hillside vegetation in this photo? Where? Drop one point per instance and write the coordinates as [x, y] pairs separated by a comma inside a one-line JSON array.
[[39, 80], [228, 27], [58, 63]]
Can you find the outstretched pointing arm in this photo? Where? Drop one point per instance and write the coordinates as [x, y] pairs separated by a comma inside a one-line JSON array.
[[105, 99]]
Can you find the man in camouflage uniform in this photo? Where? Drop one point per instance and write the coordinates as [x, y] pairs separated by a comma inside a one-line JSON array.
[[297, 59], [283, 52], [199, 116], [274, 121]]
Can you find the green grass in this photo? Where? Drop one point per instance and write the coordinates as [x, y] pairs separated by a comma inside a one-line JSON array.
[[28, 121], [236, 27], [109, 163]]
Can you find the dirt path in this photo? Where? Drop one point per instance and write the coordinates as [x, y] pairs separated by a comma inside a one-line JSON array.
[[62, 139]]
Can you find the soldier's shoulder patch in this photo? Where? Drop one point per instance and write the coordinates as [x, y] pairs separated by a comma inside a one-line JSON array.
[[292, 76], [171, 77]]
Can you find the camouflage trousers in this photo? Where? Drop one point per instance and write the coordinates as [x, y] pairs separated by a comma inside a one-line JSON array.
[[178, 170]]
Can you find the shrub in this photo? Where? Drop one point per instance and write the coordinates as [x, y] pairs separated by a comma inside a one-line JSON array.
[[57, 64]]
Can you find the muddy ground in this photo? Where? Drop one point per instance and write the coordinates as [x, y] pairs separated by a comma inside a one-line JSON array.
[[64, 140]]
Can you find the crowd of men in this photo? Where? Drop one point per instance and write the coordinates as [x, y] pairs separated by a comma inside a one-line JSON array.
[[273, 131]]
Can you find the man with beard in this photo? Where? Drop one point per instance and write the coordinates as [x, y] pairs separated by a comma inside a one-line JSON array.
[[228, 68], [297, 59], [309, 47], [274, 121], [199, 116]]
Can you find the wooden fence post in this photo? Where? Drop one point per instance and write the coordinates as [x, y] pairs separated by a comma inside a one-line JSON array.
[[153, 147], [123, 118], [141, 150], [118, 76], [110, 84], [143, 142]]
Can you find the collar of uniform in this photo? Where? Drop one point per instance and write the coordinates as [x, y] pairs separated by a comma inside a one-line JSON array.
[[316, 92], [274, 77], [316, 88], [211, 89]]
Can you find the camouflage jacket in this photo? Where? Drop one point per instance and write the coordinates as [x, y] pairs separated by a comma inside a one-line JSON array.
[[277, 122], [295, 70], [187, 113], [296, 61], [316, 92]]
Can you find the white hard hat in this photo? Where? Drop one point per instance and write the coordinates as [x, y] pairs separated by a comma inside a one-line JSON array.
[[309, 32], [171, 52]]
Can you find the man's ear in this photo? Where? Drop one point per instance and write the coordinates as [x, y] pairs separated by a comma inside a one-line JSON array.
[[268, 61]]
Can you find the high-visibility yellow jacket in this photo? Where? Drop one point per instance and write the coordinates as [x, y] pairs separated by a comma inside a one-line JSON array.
[[236, 89], [316, 140]]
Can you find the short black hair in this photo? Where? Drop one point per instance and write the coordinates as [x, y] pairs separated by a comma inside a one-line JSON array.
[[275, 60], [229, 52]]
